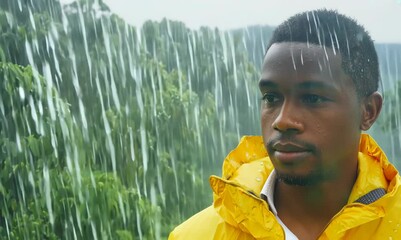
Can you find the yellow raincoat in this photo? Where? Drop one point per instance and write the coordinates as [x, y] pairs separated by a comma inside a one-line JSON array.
[[373, 210]]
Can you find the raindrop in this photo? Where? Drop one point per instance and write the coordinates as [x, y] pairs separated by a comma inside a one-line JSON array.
[[302, 57], [47, 188], [21, 93], [293, 60]]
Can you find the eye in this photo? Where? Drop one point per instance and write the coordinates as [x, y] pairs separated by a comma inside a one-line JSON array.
[[270, 98], [313, 99]]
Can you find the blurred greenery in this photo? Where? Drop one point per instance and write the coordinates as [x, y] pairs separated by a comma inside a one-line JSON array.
[[111, 132]]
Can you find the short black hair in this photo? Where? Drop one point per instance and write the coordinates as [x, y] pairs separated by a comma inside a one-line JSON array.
[[340, 33]]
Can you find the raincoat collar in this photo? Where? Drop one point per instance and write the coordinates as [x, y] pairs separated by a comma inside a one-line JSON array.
[[246, 168]]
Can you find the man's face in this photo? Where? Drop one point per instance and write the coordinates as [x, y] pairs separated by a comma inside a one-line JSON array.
[[310, 113]]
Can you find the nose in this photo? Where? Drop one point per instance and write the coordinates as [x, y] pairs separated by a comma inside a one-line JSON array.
[[288, 118]]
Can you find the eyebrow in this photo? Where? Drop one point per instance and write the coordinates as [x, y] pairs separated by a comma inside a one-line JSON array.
[[266, 83]]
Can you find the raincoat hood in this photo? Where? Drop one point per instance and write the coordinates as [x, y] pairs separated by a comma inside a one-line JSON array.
[[238, 212]]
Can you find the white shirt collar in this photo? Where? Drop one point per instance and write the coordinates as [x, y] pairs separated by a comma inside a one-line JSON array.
[[268, 192]]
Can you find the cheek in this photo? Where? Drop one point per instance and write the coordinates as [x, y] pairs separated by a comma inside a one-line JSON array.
[[266, 119], [337, 132], [347, 123]]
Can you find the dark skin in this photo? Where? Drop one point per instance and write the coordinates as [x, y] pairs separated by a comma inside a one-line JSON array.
[[311, 121]]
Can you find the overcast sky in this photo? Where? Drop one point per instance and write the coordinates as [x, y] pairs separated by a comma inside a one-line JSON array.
[[382, 18]]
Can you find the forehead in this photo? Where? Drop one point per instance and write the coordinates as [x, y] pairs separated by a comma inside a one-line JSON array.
[[300, 60]]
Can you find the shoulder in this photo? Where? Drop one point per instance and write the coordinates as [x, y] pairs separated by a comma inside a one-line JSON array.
[[202, 225]]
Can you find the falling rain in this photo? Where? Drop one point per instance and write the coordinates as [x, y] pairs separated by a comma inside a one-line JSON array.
[[109, 131]]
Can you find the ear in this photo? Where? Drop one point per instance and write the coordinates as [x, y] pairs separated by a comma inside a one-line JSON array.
[[371, 107]]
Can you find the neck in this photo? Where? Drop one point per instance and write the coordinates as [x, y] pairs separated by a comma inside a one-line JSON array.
[[312, 207]]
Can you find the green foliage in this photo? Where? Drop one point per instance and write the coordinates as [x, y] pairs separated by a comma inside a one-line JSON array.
[[392, 111], [47, 188]]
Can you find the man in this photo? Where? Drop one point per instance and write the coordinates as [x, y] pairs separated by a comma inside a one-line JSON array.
[[312, 174]]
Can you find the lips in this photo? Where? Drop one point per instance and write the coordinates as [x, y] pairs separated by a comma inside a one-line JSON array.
[[289, 147], [290, 153]]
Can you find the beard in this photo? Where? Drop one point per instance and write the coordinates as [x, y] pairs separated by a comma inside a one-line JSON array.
[[310, 179], [314, 177]]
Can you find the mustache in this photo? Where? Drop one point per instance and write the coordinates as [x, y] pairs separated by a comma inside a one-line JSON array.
[[291, 140]]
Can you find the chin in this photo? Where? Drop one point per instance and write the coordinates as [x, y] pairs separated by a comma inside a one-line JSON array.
[[310, 179]]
